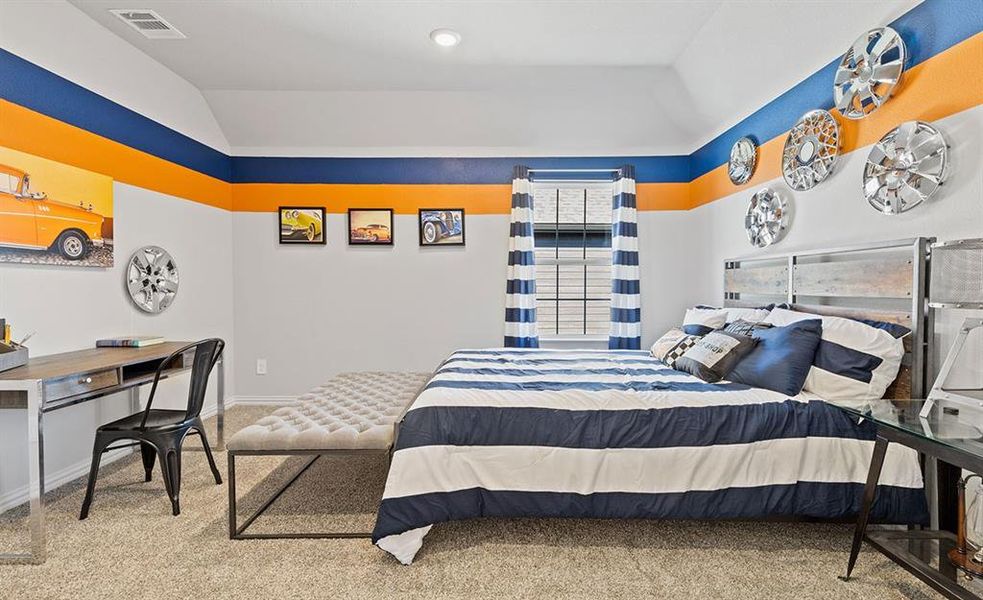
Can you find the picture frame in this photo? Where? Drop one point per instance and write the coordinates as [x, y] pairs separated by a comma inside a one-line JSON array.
[[440, 226], [370, 227], [301, 225], [52, 213]]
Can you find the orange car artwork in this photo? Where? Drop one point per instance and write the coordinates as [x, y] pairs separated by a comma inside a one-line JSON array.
[[373, 232], [33, 221]]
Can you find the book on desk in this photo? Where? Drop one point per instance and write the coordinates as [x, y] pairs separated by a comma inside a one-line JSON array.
[[141, 341]]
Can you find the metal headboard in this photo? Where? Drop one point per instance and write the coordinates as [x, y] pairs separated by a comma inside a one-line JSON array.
[[884, 281]]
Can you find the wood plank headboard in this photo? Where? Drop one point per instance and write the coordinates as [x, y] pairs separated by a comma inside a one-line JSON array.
[[884, 281]]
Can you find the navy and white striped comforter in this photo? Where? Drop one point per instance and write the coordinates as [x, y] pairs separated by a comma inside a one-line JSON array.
[[542, 433]]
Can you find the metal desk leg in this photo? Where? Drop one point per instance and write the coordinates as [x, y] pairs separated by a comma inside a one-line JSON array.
[[134, 400], [220, 411], [870, 489], [35, 467], [35, 472]]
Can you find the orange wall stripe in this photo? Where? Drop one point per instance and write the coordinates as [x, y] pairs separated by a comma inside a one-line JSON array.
[[407, 199], [937, 88], [27, 131], [339, 197]]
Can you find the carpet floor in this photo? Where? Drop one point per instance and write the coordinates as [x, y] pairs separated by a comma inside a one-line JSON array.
[[131, 547]]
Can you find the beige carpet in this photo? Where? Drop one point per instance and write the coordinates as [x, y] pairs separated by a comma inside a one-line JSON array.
[[131, 547]]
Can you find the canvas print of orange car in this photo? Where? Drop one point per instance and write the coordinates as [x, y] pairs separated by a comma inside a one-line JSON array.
[[302, 225], [51, 213], [370, 226]]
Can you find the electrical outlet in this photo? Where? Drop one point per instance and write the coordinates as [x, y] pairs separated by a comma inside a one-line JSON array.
[[261, 366]]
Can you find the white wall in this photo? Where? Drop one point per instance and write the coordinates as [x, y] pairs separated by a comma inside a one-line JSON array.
[[59, 37], [313, 311], [70, 308], [834, 214]]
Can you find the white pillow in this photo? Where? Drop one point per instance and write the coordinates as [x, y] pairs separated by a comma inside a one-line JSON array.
[[751, 315], [854, 361], [701, 321]]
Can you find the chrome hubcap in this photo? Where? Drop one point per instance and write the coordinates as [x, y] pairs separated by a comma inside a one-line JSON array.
[[73, 247], [152, 279]]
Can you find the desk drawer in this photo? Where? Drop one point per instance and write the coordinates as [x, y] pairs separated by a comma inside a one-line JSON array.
[[56, 389]]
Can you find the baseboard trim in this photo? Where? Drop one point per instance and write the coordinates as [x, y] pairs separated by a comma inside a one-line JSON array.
[[20, 495]]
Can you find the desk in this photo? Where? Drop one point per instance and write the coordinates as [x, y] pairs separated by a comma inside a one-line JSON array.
[[941, 436], [49, 383]]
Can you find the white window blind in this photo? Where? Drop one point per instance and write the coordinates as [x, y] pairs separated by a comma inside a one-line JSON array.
[[572, 228]]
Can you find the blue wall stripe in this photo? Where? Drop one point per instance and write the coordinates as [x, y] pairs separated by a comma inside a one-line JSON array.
[[927, 29], [40, 90], [895, 505], [650, 169]]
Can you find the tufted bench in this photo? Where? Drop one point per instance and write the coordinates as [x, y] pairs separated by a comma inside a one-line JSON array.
[[353, 413]]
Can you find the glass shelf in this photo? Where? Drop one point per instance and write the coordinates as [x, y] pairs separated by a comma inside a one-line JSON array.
[[950, 424], [924, 552]]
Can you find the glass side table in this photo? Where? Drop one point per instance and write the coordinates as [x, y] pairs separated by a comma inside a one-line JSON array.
[[942, 435]]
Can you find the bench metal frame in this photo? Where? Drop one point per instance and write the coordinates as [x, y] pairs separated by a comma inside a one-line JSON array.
[[238, 532]]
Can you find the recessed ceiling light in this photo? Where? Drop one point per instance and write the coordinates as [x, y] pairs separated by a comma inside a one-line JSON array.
[[446, 38]]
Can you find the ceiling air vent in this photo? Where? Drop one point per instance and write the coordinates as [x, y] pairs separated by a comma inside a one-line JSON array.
[[148, 23]]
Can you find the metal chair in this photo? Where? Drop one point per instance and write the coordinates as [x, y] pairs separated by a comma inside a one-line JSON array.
[[161, 433]]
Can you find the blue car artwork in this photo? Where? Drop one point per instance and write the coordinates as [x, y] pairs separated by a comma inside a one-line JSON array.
[[436, 225]]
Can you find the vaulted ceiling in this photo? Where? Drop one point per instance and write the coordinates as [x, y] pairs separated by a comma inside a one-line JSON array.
[[530, 77]]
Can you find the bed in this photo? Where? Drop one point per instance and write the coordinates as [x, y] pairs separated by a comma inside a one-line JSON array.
[[617, 434]]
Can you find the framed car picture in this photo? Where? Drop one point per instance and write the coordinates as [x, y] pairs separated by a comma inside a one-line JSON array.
[[302, 225], [441, 226], [370, 226], [53, 213]]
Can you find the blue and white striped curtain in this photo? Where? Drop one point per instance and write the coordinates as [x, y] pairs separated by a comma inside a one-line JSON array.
[[520, 293], [626, 304]]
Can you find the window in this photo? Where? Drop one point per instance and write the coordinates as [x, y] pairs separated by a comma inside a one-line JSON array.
[[8, 183], [572, 229]]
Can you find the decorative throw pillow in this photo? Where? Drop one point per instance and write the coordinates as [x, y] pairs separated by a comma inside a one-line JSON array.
[[701, 321], [713, 357], [672, 345], [782, 359], [854, 361], [745, 327]]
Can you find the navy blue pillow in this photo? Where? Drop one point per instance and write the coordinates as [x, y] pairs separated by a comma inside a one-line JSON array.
[[782, 358]]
